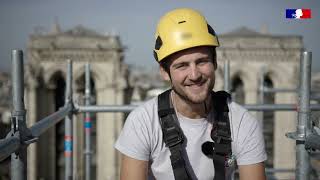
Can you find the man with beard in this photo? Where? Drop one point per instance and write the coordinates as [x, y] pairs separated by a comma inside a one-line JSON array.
[[168, 137]]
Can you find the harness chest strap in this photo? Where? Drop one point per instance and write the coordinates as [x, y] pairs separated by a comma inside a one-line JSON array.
[[173, 135], [221, 135]]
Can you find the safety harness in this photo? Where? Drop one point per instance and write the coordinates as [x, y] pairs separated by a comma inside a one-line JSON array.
[[219, 150]]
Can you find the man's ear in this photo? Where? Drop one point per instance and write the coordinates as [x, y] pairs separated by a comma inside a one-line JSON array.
[[164, 74]]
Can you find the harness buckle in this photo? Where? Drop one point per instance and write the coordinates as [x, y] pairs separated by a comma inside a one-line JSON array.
[[217, 139], [173, 137], [230, 160]]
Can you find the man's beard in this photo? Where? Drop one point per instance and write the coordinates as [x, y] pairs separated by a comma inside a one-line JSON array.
[[185, 97]]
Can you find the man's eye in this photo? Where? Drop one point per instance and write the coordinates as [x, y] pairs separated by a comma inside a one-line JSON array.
[[203, 61], [180, 66]]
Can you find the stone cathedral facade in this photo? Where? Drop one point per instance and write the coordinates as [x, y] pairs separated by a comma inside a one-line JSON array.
[[275, 58], [46, 76], [250, 54]]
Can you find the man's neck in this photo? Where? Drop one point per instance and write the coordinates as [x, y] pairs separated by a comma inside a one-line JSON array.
[[189, 109]]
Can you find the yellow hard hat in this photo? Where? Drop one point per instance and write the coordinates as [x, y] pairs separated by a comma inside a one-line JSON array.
[[182, 29]]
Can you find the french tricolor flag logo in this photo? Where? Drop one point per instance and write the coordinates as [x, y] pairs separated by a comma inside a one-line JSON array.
[[298, 13]]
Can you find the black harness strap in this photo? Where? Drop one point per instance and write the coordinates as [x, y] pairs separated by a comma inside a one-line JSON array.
[[220, 151], [221, 134], [172, 135]]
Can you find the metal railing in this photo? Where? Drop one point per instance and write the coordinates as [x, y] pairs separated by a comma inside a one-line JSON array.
[[17, 140]]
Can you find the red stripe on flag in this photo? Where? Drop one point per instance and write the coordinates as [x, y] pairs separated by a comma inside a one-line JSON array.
[[306, 13]]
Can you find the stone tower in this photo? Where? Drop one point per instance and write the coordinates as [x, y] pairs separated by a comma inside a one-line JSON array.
[[47, 56], [276, 58]]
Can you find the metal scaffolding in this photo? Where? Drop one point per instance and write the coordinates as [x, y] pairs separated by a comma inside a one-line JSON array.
[[18, 139], [88, 124]]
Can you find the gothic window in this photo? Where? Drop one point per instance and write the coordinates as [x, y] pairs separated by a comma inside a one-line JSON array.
[[237, 90], [59, 98], [268, 122]]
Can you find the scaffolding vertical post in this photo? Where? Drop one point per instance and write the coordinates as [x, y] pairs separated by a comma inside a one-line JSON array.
[[226, 75], [261, 93], [87, 123], [303, 168], [68, 142], [18, 158]]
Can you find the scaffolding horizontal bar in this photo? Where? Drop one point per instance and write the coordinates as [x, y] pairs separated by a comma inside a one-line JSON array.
[[279, 90], [255, 107], [272, 170], [106, 108], [273, 90], [278, 107], [49, 121]]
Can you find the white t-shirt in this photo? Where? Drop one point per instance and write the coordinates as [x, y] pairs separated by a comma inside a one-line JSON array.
[[141, 138]]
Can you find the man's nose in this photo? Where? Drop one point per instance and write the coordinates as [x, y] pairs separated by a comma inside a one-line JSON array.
[[195, 73]]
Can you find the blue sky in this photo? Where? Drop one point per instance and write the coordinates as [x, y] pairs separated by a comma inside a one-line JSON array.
[[135, 21]]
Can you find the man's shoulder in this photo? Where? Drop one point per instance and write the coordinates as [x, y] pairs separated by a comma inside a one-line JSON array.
[[145, 111], [240, 114], [236, 108], [149, 105]]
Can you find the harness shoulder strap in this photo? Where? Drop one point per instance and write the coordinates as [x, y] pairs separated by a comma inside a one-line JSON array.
[[221, 134], [172, 135]]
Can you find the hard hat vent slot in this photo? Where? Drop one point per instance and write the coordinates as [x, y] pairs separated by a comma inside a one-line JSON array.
[[158, 43], [155, 55], [181, 22], [210, 30]]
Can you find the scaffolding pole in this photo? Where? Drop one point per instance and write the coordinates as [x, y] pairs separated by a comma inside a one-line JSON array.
[[303, 168], [88, 124], [18, 121], [68, 142], [304, 126], [261, 95], [226, 78]]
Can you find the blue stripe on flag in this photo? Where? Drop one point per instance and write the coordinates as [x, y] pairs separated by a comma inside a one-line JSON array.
[[290, 13]]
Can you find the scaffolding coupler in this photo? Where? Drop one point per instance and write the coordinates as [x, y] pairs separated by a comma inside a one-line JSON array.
[[311, 141]]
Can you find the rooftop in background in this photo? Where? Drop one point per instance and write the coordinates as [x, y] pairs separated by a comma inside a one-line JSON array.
[[243, 31], [78, 37], [245, 38], [247, 32]]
